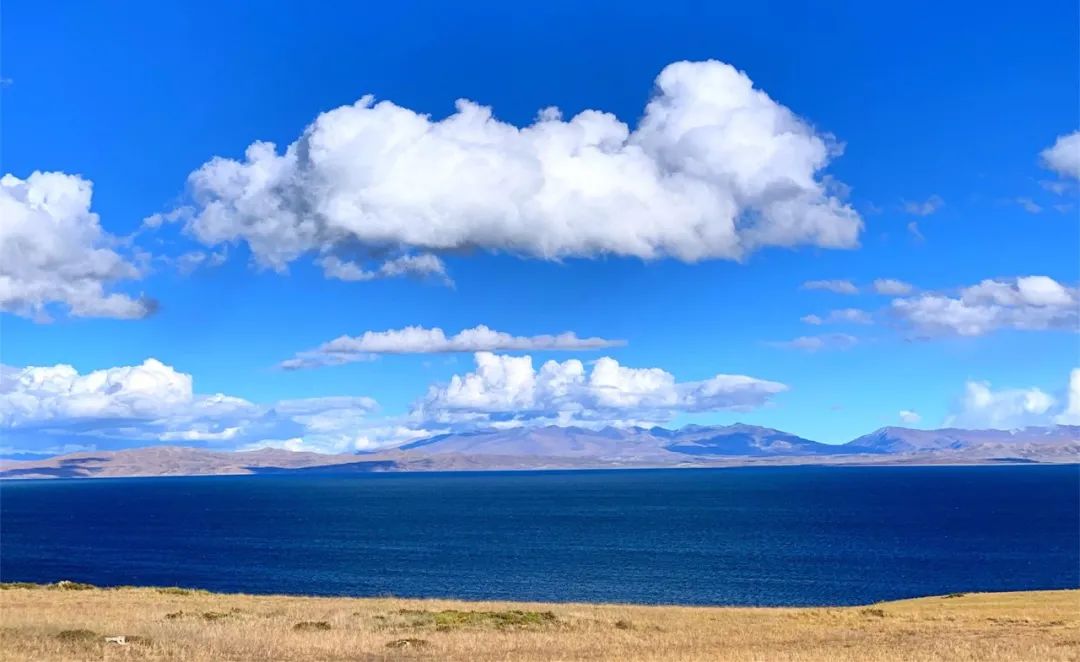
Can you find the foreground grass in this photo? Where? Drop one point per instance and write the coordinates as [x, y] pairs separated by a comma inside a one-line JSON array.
[[70, 622]]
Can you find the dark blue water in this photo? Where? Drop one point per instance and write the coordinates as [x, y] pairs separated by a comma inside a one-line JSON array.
[[767, 536]]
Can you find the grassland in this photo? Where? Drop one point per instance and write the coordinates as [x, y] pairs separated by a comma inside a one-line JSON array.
[[71, 622]]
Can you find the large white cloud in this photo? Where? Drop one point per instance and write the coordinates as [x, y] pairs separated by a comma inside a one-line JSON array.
[[714, 169], [54, 252], [44, 407], [420, 340], [1026, 303], [509, 386], [147, 391], [50, 407], [1063, 157], [981, 406]]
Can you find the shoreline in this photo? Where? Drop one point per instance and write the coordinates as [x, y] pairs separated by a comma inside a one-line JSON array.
[[72, 621], [74, 585], [328, 469]]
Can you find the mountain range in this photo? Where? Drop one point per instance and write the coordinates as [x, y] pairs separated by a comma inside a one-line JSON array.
[[555, 447]]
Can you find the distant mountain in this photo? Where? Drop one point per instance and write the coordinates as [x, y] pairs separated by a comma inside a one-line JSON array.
[[894, 440], [580, 448], [744, 440], [551, 441], [625, 443]]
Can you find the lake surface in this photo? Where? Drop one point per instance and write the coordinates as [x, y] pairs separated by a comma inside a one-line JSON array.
[[754, 536]]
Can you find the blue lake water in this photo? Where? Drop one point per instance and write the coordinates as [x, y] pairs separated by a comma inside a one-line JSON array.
[[761, 536]]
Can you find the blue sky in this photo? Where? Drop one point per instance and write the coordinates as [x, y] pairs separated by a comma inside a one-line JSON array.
[[945, 117]]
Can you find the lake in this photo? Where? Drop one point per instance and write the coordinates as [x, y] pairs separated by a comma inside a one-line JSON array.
[[749, 536]]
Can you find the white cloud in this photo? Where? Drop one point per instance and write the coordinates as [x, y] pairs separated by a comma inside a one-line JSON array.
[[51, 406], [715, 169], [1063, 157], [841, 316], [425, 265], [892, 287], [925, 208], [1025, 303], [909, 417], [44, 407], [188, 262], [54, 252], [837, 286], [983, 407], [1071, 414], [147, 391], [915, 232], [849, 316], [506, 388], [818, 343], [420, 340]]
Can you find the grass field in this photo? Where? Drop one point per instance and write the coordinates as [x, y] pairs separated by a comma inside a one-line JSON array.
[[71, 622]]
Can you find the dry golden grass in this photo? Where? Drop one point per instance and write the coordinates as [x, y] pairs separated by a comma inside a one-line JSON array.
[[169, 624]]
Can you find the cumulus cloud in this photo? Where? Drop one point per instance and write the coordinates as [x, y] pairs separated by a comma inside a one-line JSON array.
[[909, 417], [53, 252], [1063, 157], [714, 169], [420, 340], [837, 286], [892, 287], [818, 343], [983, 407], [508, 388], [1025, 303], [49, 407], [44, 407], [926, 207]]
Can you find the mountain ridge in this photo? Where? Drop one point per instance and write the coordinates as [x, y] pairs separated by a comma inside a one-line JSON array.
[[554, 447]]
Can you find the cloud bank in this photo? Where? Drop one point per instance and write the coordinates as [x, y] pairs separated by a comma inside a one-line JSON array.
[[44, 407], [53, 252], [981, 406], [419, 340], [55, 407], [509, 388], [715, 169], [1030, 303]]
